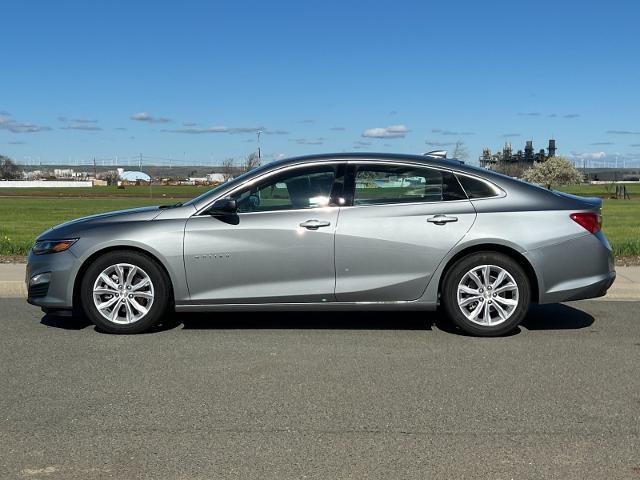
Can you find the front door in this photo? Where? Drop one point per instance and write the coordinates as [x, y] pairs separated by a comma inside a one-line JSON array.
[[279, 247], [403, 221]]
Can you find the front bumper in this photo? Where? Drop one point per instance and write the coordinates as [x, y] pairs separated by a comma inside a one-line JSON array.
[[57, 293]]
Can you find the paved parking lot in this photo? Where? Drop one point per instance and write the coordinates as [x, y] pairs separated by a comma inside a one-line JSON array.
[[323, 396]]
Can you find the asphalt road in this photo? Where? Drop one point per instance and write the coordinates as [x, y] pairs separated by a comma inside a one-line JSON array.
[[322, 396]]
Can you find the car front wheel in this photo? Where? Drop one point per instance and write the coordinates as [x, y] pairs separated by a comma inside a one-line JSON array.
[[486, 294], [125, 292]]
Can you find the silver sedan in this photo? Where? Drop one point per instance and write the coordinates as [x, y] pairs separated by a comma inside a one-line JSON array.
[[343, 231]]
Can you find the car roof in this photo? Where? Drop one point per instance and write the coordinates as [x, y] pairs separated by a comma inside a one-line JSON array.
[[370, 156]]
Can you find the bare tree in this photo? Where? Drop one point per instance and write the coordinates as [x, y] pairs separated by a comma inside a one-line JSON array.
[[227, 168], [8, 169], [515, 169], [460, 151], [252, 161], [111, 177]]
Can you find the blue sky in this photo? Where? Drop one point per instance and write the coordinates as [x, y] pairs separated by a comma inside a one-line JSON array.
[[192, 80]]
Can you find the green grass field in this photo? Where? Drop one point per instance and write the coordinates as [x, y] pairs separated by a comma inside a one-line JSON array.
[[22, 219], [603, 190], [159, 192], [24, 213]]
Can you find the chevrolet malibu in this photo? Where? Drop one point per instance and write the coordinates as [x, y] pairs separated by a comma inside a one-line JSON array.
[[332, 232]]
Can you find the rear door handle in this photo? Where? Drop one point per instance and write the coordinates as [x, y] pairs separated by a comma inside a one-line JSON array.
[[441, 219], [315, 224]]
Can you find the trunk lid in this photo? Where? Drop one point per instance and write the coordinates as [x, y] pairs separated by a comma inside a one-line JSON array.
[[591, 203]]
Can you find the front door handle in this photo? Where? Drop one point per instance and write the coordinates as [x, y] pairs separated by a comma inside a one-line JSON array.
[[315, 224], [441, 219]]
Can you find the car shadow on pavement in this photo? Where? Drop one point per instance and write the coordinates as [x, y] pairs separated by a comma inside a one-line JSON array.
[[556, 316], [66, 322], [311, 320], [540, 317]]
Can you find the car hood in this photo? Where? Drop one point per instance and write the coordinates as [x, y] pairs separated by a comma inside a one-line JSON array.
[[67, 229]]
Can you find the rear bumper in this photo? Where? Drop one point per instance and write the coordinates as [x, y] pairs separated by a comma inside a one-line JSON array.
[[576, 269], [592, 290]]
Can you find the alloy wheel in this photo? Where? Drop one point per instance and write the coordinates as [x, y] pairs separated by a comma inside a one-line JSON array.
[[123, 293], [487, 295]]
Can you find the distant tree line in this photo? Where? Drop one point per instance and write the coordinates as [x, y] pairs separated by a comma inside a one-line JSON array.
[[8, 169]]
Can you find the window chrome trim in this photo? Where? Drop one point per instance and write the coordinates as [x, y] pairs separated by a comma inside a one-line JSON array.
[[448, 202], [326, 209]]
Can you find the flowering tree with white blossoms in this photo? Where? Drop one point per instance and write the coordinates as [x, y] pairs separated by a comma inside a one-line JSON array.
[[555, 171]]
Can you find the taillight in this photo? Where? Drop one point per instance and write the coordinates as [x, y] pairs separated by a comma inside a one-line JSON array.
[[592, 222]]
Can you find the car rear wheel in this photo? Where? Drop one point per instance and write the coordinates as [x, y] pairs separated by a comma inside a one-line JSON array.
[[486, 294], [125, 292]]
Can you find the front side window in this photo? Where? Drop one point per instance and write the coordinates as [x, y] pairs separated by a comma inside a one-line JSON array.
[[295, 189], [383, 184]]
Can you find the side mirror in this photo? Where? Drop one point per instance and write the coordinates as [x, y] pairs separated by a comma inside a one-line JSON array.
[[223, 206]]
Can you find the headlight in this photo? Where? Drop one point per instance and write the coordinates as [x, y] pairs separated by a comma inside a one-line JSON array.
[[52, 246]]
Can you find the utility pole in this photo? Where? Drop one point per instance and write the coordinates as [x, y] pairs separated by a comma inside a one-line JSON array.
[[259, 153], [95, 169]]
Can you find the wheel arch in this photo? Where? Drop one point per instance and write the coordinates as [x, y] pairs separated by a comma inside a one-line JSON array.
[[87, 262], [499, 248]]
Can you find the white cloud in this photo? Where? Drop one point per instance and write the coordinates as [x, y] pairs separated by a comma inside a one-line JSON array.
[[439, 144], [588, 155], [275, 132], [145, 117], [88, 127], [309, 141], [622, 132], [8, 123], [392, 131], [219, 129]]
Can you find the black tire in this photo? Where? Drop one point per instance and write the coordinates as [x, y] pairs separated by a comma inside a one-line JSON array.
[[162, 300], [450, 294]]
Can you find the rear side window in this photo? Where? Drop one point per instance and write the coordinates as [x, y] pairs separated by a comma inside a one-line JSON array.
[[476, 188], [383, 184]]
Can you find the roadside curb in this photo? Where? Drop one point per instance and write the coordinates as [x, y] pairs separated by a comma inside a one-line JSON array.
[[12, 289]]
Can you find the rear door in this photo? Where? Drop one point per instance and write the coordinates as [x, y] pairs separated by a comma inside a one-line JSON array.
[[403, 221]]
